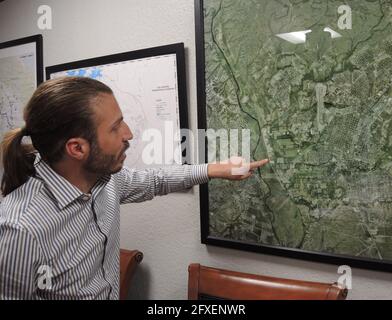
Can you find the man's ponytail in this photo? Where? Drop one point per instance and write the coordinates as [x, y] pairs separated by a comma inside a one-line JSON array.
[[17, 159]]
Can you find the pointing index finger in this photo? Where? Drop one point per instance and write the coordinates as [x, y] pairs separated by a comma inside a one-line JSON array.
[[257, 164]]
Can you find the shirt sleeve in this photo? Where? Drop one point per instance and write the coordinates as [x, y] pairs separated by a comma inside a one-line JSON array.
[[19, 263], [142, 185]]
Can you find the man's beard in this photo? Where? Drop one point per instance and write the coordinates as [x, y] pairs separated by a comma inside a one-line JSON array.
[[103, 164]]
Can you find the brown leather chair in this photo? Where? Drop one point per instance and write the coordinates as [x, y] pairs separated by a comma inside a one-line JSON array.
[[129, 259], [211, 283]]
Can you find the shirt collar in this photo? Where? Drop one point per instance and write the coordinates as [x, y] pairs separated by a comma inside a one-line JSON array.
[[64, 192]]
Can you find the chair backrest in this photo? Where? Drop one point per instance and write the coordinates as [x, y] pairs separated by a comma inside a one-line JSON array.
[[129, 259], [211, 283]]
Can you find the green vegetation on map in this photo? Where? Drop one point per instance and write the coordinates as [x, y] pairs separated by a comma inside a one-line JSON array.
[[320, 110]]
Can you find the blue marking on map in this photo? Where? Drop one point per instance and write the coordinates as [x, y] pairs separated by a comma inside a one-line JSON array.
[[71, 73], [82, 72], [96, 73]]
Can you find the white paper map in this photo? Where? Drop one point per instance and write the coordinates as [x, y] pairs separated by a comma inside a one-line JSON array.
[[17, 83], [147, 92]]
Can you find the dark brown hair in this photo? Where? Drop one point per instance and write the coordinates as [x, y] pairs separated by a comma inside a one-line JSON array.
[[60, 109]]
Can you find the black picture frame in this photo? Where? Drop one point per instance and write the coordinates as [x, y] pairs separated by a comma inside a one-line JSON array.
[[177, 48], [206, 238], [38, 40]]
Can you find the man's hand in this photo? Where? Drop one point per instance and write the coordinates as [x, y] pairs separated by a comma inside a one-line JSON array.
[[234, 169]]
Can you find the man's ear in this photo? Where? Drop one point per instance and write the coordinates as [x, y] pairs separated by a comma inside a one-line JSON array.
[[77, 148]]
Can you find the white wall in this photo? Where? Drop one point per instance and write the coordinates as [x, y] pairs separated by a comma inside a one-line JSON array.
[[166, 230]]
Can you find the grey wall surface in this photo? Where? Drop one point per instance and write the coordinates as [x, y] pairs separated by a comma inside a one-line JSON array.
[[167, 229]]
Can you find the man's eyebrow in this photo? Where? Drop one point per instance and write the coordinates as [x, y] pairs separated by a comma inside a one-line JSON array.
[[117, 122]]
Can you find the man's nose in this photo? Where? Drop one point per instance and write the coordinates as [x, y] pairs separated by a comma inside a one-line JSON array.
[[128, 134]]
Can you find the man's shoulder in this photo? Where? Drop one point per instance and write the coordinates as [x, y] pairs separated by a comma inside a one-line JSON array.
[[15, 205]]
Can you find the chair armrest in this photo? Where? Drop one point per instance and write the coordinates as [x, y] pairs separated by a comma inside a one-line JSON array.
[[129, 259]]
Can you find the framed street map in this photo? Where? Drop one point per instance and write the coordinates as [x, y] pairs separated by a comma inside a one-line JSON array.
[[312, 81], [150, 87], [21, 71]]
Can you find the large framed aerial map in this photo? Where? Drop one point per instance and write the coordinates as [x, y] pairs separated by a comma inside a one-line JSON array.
[[312, 81]]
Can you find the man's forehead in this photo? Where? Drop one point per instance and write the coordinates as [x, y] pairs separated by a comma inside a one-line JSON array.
[[106, 107]]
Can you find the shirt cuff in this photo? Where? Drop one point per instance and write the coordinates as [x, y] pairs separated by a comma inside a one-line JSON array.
[[199, 173]]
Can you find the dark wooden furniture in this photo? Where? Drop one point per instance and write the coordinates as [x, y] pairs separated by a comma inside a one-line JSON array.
[[129, 259], [211, 283]]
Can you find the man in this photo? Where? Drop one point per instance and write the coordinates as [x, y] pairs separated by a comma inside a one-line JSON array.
[[60, 214]]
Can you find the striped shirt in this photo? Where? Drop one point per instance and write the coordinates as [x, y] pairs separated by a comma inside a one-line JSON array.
[[58, 243]]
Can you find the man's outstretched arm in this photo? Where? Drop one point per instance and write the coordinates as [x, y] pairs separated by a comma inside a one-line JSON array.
[[142, 185]]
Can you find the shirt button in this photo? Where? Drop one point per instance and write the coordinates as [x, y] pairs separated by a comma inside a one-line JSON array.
[[86, 197]]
